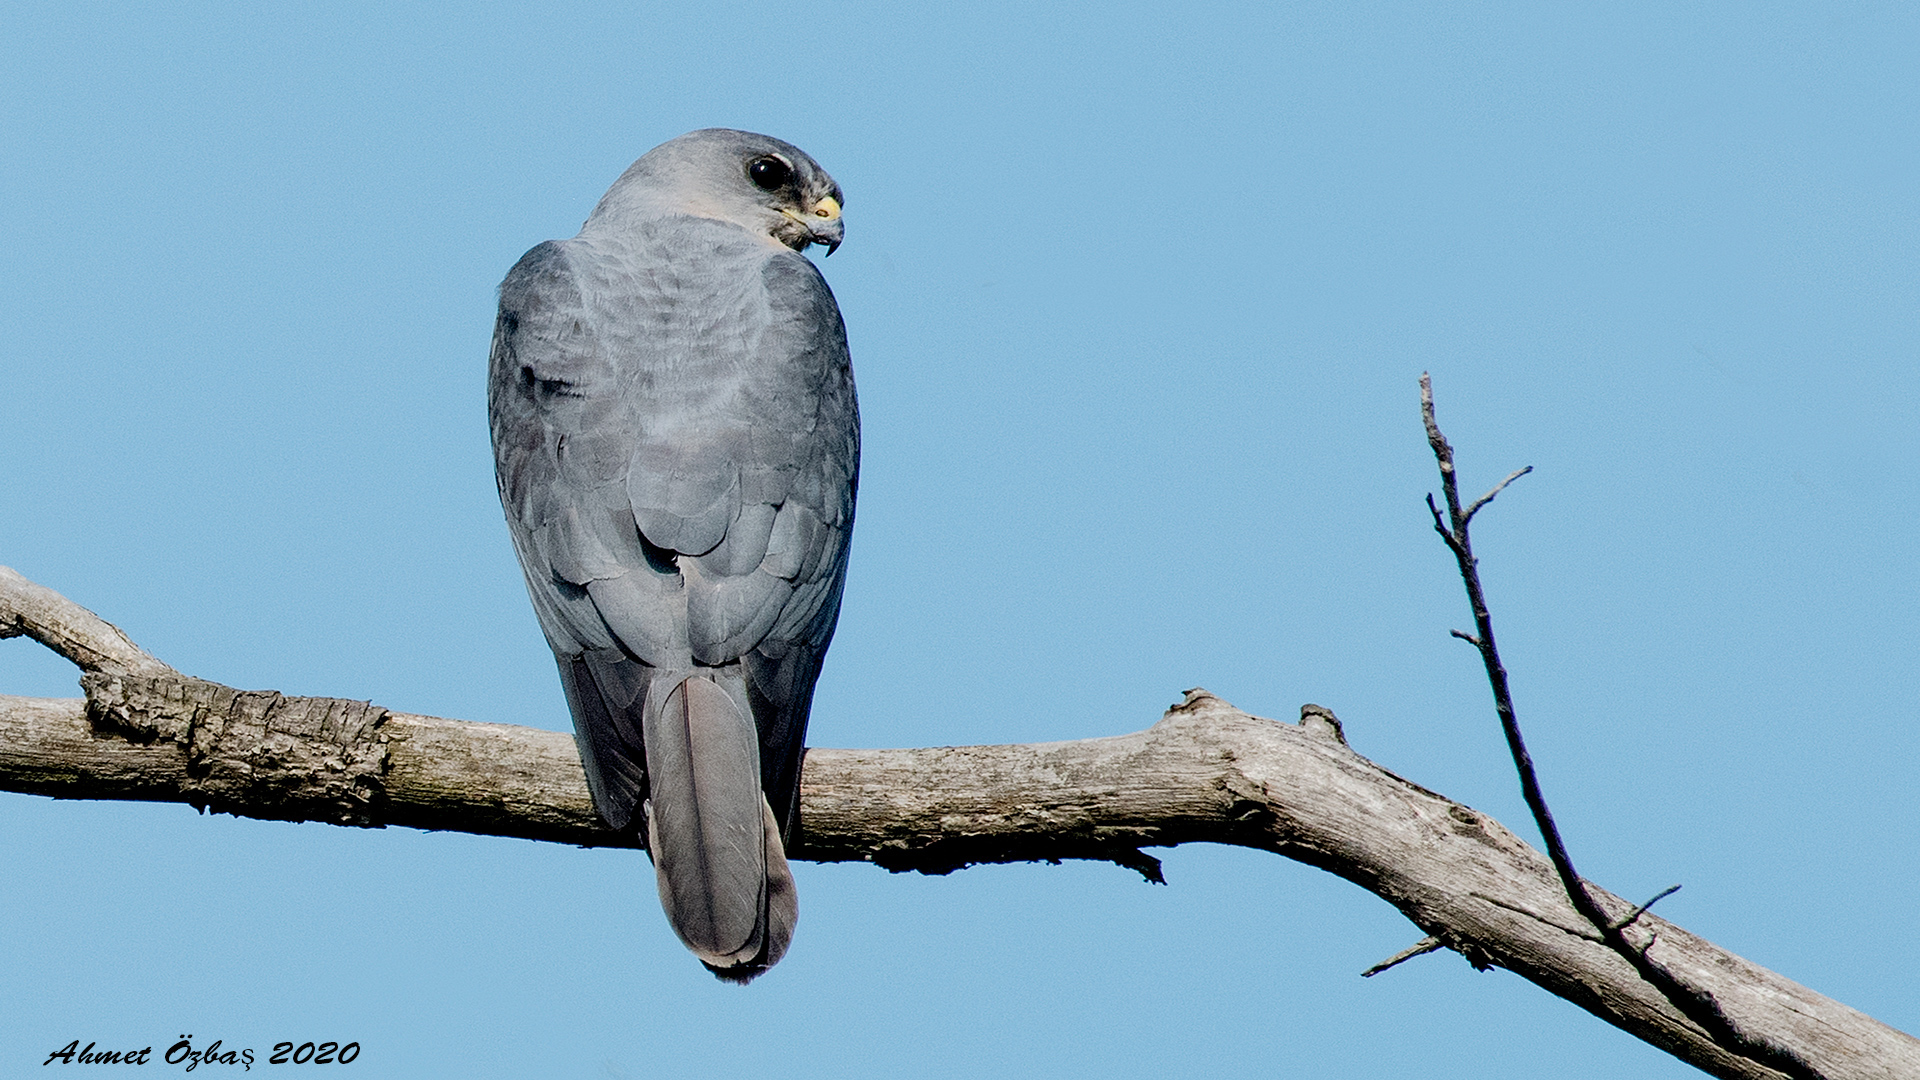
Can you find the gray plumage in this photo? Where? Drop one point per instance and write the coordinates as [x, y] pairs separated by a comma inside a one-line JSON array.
[[677, 447]]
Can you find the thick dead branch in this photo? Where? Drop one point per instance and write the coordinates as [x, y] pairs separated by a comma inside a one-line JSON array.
[[1205, 772]]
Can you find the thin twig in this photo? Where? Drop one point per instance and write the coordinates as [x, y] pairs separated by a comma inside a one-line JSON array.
[[1419, 948], [1643, 908], [1696, 1005], [1497, 489]]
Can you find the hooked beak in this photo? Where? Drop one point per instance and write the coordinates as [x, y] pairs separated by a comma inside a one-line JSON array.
[[822, 223]]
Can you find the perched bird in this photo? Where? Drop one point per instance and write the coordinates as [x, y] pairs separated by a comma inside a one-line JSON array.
[[677, 446]]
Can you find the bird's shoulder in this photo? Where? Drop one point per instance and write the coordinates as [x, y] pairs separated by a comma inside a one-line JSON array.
[[544, 344], [544, 273]]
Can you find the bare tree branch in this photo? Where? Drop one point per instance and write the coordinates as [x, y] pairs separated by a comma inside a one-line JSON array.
[[91, 642], [1205, 772]]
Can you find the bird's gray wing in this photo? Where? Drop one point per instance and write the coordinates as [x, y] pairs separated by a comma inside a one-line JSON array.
[[807, 539], [759, 507], [749, 490], [560, 457]]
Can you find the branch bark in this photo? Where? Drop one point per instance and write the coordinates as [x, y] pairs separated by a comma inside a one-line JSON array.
[[1205, 772]]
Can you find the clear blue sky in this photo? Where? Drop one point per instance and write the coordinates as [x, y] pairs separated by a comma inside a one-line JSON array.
[[1138, 299]]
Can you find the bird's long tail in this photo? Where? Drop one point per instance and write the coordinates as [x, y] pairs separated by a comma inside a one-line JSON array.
[[717, 853]]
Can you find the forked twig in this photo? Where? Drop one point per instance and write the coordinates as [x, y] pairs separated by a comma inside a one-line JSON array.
[[1696, 1005]]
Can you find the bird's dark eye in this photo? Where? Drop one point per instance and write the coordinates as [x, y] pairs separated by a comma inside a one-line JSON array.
[[769, 173]]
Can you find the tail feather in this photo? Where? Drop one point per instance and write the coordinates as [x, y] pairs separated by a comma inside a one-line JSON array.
[[717, 854], [782, 910]]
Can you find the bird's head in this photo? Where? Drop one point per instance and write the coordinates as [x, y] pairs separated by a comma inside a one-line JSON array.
[[769, 187]]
